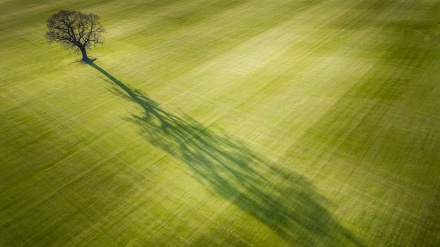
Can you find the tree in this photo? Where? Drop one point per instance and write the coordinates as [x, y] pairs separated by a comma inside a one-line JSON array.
[[75, 31]]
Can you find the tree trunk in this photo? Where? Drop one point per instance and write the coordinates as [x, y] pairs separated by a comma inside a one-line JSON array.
[[85, 58]]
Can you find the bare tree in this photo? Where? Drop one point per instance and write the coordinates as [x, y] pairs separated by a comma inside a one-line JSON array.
[[75, 31]]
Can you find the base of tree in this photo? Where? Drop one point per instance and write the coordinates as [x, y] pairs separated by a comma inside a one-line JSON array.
[[90, 60]]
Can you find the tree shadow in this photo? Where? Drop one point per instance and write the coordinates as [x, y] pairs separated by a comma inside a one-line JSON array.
[[284, 201]]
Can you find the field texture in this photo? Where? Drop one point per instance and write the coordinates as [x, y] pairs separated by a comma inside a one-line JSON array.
[[223, 123]]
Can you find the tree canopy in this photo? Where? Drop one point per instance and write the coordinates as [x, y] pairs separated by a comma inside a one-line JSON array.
[[75, 30]]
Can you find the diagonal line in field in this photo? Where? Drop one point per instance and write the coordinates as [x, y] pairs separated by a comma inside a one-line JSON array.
[[255, 52], [57, 190]]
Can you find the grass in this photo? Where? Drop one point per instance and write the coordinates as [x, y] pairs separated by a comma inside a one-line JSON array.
[[223, 123]]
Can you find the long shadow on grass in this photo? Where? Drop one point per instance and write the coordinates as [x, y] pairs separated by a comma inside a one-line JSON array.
[[282, 200]]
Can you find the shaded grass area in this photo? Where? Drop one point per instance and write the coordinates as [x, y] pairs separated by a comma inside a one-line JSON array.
[[284, 201], [397, 78]]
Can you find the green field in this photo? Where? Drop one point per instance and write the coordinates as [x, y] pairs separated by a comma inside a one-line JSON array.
[[223, 123]]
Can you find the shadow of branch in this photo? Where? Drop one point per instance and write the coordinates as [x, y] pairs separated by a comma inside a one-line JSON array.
[[284, 201]]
